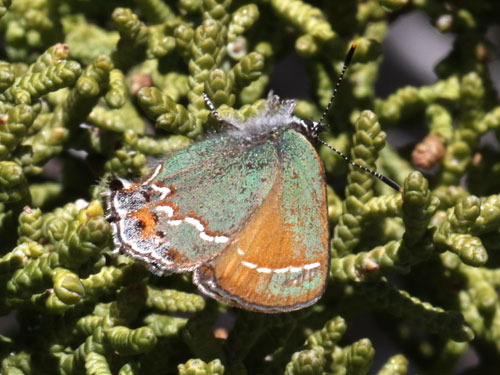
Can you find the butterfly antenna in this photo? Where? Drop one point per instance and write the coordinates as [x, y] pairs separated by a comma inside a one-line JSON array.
[[386, 180], [393, 184], [347, 61], [211, 106]]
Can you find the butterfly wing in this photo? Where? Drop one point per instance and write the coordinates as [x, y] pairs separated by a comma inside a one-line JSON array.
[[191, 206], [279, 260]]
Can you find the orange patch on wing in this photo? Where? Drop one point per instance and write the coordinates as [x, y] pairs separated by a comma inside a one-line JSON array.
[[148, 220], [248, 265]]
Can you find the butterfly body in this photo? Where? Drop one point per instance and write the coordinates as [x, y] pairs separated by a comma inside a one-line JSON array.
[[245, 211]]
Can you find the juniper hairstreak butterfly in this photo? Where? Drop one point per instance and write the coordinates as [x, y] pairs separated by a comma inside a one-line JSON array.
[[245, 211]]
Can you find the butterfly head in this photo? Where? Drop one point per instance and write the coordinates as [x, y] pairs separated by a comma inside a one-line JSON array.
[[311, 129]]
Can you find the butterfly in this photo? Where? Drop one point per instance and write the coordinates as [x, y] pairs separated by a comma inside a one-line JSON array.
[[244, 210]]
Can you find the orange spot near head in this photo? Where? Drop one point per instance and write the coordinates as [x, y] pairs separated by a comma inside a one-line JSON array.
[[354, 45]]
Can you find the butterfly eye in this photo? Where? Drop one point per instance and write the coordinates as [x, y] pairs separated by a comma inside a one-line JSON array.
[[307, 123], [308, 128]]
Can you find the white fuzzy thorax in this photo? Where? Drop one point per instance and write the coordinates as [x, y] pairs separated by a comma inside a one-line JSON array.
[[278, 114]]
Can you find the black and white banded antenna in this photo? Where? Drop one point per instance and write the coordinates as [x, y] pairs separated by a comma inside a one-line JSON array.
[[211, 106], [386, 180], [347, 61], [214, 112]]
